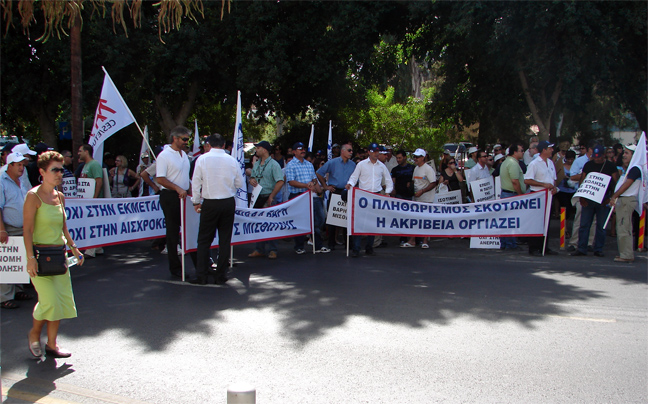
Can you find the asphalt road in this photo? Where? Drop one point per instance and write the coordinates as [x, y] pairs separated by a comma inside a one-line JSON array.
[[444, 325]]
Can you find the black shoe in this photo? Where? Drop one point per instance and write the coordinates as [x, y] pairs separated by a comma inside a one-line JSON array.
[[577, 253], [176, 274], [550, 252], [599, 253], [369, 251], [536, 253], [221, 280], [355, 254], [197, 281], [571, 248], [382, 244], [590, 248]]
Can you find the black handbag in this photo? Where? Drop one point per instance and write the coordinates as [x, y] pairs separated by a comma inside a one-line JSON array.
[[51, 260]]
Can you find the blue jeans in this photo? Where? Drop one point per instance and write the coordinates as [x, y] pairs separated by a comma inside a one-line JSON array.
[[357, 241], [508, 242], [587, 217], [319, 217], [261, 245]]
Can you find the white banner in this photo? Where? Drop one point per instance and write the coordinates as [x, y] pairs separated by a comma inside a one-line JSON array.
[[337, 213], [593, 187], [238, 152], [85, 188], [13, 262], [101, 222], [483, 190], [288, 219], [448, 198], [112, 115], [485, 242], [69, 187], [522, 215]]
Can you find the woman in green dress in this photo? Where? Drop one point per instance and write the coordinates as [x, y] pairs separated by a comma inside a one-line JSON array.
[[44, 225]]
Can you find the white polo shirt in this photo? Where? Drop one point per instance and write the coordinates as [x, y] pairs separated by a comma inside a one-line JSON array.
[[541, 171], [174, 166]]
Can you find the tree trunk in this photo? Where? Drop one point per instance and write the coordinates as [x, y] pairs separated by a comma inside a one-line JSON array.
[[542, 118], [76, 97], [46, 121], [168, 120]]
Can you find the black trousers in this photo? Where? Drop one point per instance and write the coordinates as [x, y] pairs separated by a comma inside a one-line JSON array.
[[170, 204], [216, 214]]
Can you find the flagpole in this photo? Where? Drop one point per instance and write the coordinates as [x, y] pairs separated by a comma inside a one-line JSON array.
[[130, 113], [547, 218], [310, 141]]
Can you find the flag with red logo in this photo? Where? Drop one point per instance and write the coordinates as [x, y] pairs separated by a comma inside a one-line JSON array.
[[111, 116]]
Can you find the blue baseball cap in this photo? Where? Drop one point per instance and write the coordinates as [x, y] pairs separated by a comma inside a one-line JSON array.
[[373, 147], [598, 151], [544, 145], [298, 145]]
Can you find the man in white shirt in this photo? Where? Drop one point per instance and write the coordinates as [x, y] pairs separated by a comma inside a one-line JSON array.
[[369, 175], [541, 174], [480, 170], [530, 154], [215, 182], [425, 182], [172, 173]]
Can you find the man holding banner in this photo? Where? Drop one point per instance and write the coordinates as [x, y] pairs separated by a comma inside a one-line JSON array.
[[172, 173], [512, 180], [596, 208], [541, 174], [369, 175]]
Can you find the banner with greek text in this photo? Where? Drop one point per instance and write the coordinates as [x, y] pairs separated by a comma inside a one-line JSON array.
[[13, 262], [448, 198], [288, 219], [593, 187], [337, 213], [69, 187], [522, 215], [102, 222], [483, 190]]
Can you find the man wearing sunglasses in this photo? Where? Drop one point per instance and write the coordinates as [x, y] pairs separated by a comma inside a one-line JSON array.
[[172, 173]]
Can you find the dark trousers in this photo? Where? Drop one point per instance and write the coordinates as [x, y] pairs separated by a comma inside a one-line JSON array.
[[216, 214], [299, 240], [170, 204], [588, 213]]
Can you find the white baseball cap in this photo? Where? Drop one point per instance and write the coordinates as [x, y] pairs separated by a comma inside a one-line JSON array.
[[15, 157], [472, 150], [419, 152], [23, 149]]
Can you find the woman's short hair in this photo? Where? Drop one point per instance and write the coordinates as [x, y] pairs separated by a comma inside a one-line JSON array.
[[124, 161], [45, 159]]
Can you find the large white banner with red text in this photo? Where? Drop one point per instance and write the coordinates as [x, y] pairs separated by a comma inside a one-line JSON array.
[[517, 216]]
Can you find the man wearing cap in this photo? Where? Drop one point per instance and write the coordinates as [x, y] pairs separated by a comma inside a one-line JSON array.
[[472, 158], [336, 150], [301, 178], [425, 182], [338, 169], [391, 159], [144, 189], [215, 182], [497, 149], [13, 191], [369, 175], [540, 175], [576, 172], [6, 150], [625, 201], [591, 209], [266, 173], [23, 149]]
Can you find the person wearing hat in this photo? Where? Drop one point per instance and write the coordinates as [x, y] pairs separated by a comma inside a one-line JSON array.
[[391, 159], [625, 201], [301, 178], [144, 189], [13, 191], [591, 209], [425, 182], [6, 150], [369, 174], [473, 159], [23, 149], [540, 175], [266, 173], [576, 175]]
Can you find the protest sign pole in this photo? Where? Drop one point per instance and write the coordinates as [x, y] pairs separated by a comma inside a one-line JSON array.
[[350, 196], [183, 207], [547, 218], [231, 263], [310, 195], [608, 218]]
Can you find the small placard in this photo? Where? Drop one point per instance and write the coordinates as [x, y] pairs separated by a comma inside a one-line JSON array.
[[69, 187], [485, 242], [13, 262], [86, 188], [337, 213]]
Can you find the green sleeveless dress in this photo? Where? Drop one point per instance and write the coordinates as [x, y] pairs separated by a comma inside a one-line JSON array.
[[55, 297]]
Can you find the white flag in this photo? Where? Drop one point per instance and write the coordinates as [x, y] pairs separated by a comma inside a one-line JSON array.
[[112, 115], [329, 147], [196, 146], [238, 153], [639, 160], [310, 141]]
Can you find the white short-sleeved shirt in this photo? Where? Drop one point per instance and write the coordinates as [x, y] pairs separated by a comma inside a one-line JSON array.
[[423, 176], [369, 176], [174, 166], [541, 171]]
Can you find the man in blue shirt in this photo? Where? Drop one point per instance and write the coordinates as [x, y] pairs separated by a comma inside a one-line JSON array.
[[339, 170], [13, 191]]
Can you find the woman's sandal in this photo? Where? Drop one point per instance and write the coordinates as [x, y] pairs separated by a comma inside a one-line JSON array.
[[23, 296], [9, 304], [36, 349]]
